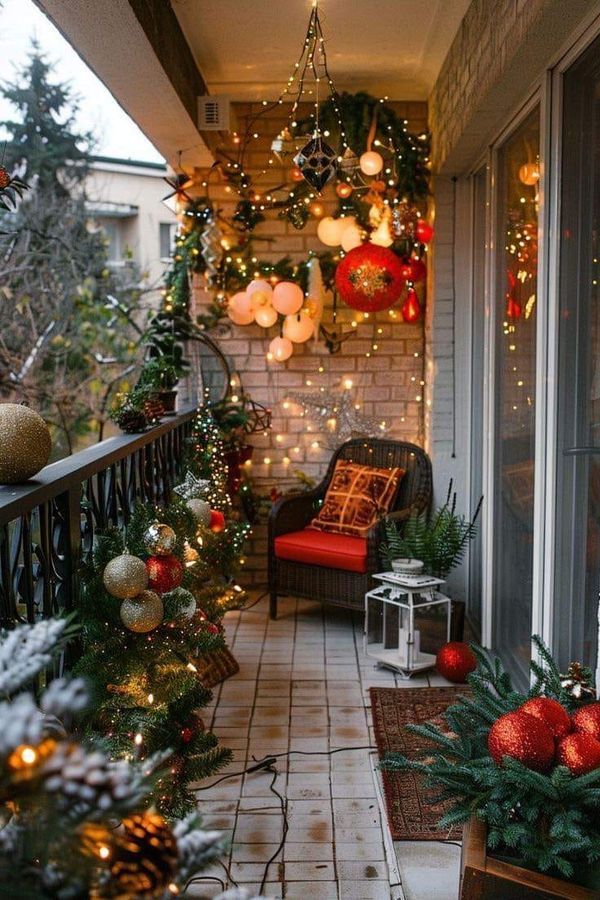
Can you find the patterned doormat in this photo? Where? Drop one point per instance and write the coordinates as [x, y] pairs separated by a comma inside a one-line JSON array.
[[411, 815]]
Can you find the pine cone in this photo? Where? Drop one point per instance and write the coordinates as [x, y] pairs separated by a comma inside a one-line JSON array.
[[143, 858], [89, 781]]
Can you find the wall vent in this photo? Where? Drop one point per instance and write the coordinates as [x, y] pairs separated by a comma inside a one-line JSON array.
[[213, 112]]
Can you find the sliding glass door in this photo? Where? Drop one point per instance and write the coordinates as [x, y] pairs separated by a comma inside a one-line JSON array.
[[577, 551], [514, 391]]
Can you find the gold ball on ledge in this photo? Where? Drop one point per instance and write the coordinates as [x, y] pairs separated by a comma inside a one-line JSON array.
[[25, 443], [143, 613], [125, 576]]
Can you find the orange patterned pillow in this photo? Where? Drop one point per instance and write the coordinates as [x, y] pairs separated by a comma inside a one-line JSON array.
[[356, 497]]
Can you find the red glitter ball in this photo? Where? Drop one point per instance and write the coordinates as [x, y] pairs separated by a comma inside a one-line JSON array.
[[551, 712], [369, 278], [455, 661], [164, 573], [588, 719], [217, 520], [579, 752], [523, 737]]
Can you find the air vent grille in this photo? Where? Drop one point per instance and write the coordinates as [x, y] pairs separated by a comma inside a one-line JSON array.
[[213, 112]]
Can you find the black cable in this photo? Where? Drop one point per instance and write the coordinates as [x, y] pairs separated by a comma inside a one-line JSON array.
[[286, 827], [254, 602]]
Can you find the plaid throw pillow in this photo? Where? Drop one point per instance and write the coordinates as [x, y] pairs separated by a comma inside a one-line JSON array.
[[356, 498]]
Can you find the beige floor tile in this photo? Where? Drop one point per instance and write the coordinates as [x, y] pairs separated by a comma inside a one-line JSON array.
[[309, 871]]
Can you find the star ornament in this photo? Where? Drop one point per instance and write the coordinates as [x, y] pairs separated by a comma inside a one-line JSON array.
[[193, 488], [336, 415]]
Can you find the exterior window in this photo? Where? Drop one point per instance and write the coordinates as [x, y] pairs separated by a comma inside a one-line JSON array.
[[113, 236], [516, 234], [577, 551], [167, 232]]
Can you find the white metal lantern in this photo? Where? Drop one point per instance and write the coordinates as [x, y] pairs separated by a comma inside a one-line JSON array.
[[393, 612]]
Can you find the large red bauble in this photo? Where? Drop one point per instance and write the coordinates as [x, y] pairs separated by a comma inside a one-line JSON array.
[[455, 660], [522, 737], [217, 520], [164, 573], [551, 712], [369, 278], [588, 719], [579, 752]]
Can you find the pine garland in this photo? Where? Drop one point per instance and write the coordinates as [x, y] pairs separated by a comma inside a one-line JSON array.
[[549, 821]]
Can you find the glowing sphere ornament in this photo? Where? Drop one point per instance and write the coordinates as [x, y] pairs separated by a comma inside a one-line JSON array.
[[125, 576], [369, 278], [287, 298], [298, 328], [529, 174], [240, 309], [281, 348], [522, 737], [330, 230], [265, 316], [579, 752], [352, 237], [159, 539], [143, 613], [423, 231], [551, 712], [164, 573], [296, 174], [587, 719], [25, 443], [343, 190], [371, 163], [259, 285], [455, 661]]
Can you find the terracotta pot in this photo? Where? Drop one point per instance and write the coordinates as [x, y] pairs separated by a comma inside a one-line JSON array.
[[235, 460]]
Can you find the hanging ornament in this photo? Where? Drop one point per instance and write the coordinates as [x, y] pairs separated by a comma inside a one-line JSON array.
[[587, 719], [352, 237], [212, 249], [455, 661], [164, 573], [143, 857], [315, 302], [343, 190], [404, 221], [280, 349], [263, 289], [411, 308], [159, 539], [382, 235], [143, 613], [529, 174], [317, 209], [200, 510], [551, 712], [287, 298], [125, 576], [266, 316], [240, 309], [317, 162], [371, 162], [513, 307], [296, 174], [330, 230], [298, 328], [579, 752], [336, 415], [217, 521], [369, 278], [423, 231], [414, 270], [25, 443], [349, 161], [576, 682], [522, 737]]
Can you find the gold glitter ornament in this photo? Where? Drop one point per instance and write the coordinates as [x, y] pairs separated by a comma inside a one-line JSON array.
[[159, 539], [143, 857], [25, 443], [142, 613], [125, 576]]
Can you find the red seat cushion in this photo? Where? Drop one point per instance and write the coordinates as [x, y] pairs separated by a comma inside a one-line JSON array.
[[322, 548]]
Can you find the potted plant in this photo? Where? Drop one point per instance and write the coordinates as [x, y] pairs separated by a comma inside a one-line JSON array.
[[523, 770], [135, 410], [161, 375]]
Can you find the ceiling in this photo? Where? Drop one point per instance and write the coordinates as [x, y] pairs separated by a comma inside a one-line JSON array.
[[247, 48]]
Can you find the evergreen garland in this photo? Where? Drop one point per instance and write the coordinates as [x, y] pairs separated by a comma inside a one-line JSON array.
[[549, 821]]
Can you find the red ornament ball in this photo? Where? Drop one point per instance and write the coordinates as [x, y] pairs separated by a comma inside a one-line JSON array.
[[209, 627], [579, 752], [413, 269], [587, 719], [522, 737], [164, 573], [193, 726], [551, 712], [423, 231], [217, 521], [4, 178], [369, 278], [455, 661]]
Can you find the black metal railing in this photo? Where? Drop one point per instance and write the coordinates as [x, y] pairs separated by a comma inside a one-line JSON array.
[[47, 526]]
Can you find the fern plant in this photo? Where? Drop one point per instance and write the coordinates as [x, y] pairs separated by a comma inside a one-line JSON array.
[[439, 539]]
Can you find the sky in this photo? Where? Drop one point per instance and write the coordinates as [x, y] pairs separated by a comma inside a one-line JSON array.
[[119, 136]]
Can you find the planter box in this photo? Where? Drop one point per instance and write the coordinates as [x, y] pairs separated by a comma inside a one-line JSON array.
[[483, 877]]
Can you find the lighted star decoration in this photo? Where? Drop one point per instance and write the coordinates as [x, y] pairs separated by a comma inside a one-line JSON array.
[[193, 488], [337, 415]]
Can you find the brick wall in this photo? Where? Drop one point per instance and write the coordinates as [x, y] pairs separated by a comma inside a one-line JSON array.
[[386, 385]]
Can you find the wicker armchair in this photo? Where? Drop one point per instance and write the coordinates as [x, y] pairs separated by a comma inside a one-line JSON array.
[[293, 512]]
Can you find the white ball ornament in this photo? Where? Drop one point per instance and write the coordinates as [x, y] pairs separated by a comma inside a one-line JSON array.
[[265, 316], [240, 310], [329, 231], [259, 285], [281, 348], [298, 328], [287, 298], [351, 237], [200, 509], [371, 163]]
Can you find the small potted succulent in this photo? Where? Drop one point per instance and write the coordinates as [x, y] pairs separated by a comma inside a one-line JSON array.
[[160, 375]]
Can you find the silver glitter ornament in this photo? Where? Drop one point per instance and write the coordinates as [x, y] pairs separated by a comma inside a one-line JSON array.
[[200, 510], [125, 576], [142, 613], [159, 539], [192, 487]]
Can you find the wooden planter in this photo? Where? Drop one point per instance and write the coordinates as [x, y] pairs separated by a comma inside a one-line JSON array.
[[483, 877]]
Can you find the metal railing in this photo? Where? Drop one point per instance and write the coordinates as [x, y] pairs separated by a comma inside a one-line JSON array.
[[47, 526]]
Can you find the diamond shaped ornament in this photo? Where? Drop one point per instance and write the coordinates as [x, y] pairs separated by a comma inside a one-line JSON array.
[[317, 161]]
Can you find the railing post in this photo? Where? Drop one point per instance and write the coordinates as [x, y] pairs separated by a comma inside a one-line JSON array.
[[68, 548]]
